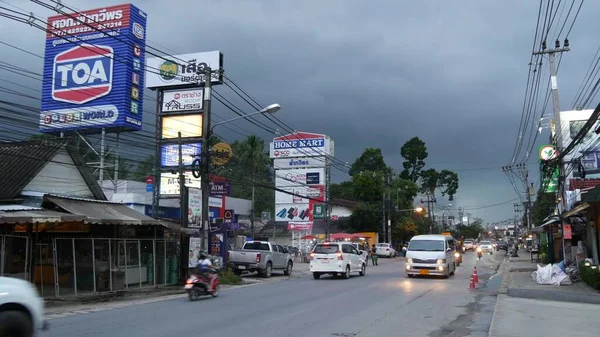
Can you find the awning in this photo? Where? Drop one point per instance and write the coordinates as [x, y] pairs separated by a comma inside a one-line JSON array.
[[37, 216], [578, 209], [102, 212]]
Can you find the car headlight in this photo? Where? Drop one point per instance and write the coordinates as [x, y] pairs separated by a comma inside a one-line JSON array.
[[441, 261], [409, 260]]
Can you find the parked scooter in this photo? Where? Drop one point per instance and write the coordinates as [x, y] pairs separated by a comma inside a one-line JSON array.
[[197, 285], [479, 253]]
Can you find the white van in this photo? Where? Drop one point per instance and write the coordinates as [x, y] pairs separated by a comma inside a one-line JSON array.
[[430, 255]]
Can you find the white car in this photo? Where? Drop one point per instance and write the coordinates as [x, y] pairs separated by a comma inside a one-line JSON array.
[[336, 258], [21, 308], [469, 245], [486, 246], [385, 249]]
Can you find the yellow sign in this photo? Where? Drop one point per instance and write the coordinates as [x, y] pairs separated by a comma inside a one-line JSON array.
[[188, 125], [221, 153]]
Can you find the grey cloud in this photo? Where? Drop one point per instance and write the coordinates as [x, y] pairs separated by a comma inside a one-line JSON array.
[[371, 74]]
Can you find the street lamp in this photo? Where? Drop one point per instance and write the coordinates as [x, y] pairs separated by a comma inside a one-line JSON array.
[[271, 109], [416, 210], [204, 180]]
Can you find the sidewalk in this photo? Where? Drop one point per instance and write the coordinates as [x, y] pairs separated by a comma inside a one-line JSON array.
[[529, 317], [517, 282]]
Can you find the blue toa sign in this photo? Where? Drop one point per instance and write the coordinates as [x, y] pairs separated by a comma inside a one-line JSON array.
[[93, 70]]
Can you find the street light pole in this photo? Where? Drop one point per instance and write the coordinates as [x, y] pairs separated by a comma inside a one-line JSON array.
[[207, 130]]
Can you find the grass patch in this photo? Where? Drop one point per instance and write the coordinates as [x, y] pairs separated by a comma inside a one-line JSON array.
[[227, 276]]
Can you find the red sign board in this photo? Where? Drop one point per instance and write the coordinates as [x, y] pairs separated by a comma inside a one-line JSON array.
[[150, 180], [567, 232], [299, 226]]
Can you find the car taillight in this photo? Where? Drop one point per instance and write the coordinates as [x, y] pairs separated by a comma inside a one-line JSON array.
[[311, 256], [258, 257], [340, 255], [387, 249]]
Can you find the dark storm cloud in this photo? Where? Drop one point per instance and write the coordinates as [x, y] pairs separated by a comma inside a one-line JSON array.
[[370, 74]]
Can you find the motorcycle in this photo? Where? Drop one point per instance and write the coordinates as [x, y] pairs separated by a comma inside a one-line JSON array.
[[197, 285], [458, 257], [479, 253]]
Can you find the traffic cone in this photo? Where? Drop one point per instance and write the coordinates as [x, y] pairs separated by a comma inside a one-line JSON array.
[[474, 276], [471, 284]]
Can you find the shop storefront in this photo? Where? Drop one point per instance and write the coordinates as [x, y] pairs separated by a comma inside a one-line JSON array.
[[74, 247]]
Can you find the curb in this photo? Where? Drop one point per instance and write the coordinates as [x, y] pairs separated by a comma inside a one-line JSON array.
[[506, 276], [494, 316], [550, 295]]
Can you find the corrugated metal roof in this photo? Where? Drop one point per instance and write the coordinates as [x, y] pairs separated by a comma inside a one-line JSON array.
[[34, 216], [18, 208], [102, 212], [20, 162]]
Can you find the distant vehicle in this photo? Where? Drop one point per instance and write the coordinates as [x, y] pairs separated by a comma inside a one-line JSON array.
[[336, 258], [262, 257], [502, 245], [469, 245], [431, 255], [486, 246], [21, 308], [385, 249]]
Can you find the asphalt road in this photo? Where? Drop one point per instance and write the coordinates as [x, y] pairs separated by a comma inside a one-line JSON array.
[[382, 303]]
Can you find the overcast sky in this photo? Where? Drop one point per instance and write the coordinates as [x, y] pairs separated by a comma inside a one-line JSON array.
[[368, 74]]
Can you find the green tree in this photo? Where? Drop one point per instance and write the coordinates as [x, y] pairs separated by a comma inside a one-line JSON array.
[[370, 160], [543, 207], [143, 169], [368, 186], [250, 166], [343, 190], [414, 153]]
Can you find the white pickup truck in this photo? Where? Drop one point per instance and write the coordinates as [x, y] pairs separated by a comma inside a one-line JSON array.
[[21, 308], [262, 257]]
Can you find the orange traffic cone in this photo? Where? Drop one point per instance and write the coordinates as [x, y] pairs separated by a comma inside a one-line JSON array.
[[475, 277], [472, 284]]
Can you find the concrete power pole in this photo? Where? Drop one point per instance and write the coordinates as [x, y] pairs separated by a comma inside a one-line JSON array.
[[556, 119]]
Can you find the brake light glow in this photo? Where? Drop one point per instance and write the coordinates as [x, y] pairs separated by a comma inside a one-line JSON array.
[[340, 255], [258, 257]]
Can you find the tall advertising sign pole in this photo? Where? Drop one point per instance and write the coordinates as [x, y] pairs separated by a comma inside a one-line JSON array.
[[205, 157]]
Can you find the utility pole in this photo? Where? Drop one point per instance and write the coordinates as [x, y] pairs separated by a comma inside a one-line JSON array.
[[383, 203], [556, 119], [205, 157], [182, 190], [389, 207], [430, 201]]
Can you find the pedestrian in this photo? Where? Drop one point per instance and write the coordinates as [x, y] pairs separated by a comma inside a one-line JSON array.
[[374, 255]]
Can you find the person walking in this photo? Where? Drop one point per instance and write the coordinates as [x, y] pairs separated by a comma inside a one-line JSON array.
[[374, 255]]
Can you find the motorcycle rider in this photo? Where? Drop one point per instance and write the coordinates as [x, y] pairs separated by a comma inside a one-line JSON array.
[[206, 267]]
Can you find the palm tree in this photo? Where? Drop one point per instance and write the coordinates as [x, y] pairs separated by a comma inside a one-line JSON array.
[[253, 157]]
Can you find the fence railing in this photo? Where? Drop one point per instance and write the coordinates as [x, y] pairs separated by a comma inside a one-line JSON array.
[[66, 267]]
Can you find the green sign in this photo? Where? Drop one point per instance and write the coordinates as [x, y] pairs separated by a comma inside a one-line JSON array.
[[551, 184], [319, 211]]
